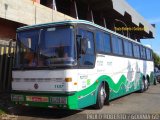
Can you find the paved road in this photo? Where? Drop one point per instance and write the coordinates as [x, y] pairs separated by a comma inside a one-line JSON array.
[[135, 103]]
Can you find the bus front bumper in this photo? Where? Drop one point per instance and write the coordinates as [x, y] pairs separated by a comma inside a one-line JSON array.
[[46, 100]]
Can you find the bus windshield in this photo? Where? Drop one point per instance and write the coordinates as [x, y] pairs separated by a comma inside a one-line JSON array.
[[46, 47]]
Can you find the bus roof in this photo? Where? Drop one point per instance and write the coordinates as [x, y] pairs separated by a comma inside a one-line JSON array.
[[69, 22]]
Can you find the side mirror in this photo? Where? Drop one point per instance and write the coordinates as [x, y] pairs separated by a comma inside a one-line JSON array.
[[84, 45]]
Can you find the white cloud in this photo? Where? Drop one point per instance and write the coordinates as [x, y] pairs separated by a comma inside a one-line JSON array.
[[147, 45]]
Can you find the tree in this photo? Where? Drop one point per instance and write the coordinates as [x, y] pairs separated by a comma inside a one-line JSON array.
[[156, 59]]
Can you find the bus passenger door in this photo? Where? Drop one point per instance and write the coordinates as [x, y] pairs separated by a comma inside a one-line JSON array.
[[86, 60]]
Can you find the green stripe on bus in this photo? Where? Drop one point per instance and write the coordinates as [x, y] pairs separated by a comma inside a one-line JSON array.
[[117, 89]]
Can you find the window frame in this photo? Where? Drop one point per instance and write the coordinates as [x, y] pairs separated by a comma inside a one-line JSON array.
[[150, 54], [137, 56], [143, 52], [84, 28], [130, 53], [117, 54], [103, 41]]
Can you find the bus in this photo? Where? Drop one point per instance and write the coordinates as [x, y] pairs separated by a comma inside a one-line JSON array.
[[75, 64]]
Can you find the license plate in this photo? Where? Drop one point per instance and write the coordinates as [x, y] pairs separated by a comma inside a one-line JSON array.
[[36, 99]]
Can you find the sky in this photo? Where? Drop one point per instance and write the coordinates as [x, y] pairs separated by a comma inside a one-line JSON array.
[[150, 10]]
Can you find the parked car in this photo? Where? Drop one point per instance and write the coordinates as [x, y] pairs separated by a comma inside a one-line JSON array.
[[157, 74]]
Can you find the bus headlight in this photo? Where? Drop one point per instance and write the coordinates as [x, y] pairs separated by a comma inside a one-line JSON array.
[[17, 97], [58, 100], [68, 79]]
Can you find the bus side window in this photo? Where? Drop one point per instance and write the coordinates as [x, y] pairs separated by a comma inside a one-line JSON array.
[[107, 43], [103, 42], [143, 52], [128, 48], [99, 41], [117, 45], [136, 51], [149, 54]]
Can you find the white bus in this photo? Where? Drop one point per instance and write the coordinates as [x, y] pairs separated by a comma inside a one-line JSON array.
[[75, 64]]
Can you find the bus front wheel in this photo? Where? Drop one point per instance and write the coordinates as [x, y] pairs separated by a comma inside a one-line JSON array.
[[101, 97]]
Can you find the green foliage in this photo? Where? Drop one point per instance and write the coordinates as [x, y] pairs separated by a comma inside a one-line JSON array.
[[1, 112], [156, 58]]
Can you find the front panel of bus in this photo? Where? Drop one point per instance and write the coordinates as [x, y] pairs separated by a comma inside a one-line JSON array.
[[43, 74]]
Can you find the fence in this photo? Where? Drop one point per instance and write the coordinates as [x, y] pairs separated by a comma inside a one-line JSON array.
[[6, 62]]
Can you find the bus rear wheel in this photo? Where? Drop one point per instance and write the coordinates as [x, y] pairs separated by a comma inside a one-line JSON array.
[[146, 84], [101, 97], [142, 87], [155, 81]]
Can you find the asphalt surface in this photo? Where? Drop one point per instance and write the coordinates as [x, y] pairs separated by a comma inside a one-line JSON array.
[[135, 103]]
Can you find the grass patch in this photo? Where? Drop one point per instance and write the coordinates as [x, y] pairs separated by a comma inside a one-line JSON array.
[[1, 112]]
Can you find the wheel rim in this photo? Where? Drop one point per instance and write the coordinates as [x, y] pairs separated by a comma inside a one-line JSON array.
[[103, 94], [146, 84], [142, 85]]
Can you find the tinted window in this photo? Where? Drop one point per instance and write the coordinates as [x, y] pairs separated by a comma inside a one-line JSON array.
[[117, 45], [103, 42], [136, 50], [128, 48], [149, 54], [143, 52], [99, 41], [107, 43], [90, 38]]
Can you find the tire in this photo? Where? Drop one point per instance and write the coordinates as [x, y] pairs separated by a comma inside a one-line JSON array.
[[158, 79], [101, 97], [142, 87], [146, 85], [155, 81], [148, 82]]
